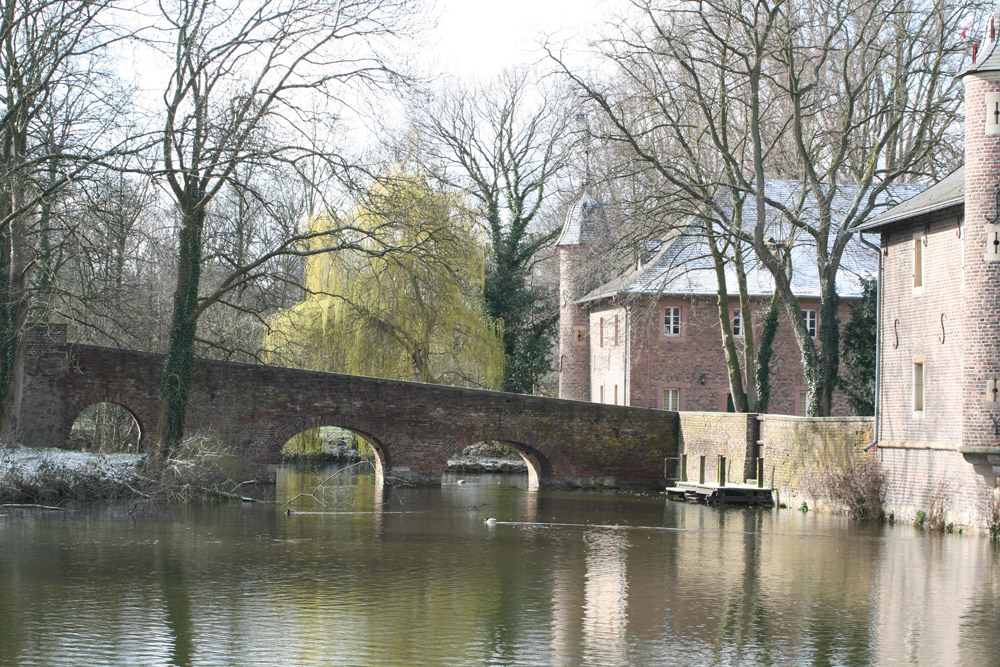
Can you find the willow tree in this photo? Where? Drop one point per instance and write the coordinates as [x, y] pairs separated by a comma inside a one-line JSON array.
[[417, 315]]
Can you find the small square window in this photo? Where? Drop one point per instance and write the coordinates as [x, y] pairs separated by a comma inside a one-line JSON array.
[[810, 317], [737, 323], [672, 321], [672, 399]]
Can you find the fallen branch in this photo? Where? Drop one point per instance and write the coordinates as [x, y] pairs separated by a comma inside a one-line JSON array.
[[34, 506]]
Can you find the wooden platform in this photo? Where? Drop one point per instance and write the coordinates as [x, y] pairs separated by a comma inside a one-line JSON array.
[[711, 492]]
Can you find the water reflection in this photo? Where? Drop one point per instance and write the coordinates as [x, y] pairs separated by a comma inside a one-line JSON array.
[[368, 575]]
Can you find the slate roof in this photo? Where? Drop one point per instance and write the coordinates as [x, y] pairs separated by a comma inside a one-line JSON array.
[[988, 57], [585, 221], [948, 192], [684, 266]]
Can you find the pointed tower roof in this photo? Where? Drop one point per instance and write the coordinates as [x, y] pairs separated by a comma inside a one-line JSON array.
[[987, 59], [585, 222]]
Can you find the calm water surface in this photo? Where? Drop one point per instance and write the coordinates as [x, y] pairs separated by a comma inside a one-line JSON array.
[[416, 577]]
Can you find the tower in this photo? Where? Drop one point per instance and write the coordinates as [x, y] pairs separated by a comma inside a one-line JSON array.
[[583, 230], [981, 245]]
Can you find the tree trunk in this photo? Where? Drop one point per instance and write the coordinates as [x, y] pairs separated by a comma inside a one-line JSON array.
[[176, 381]]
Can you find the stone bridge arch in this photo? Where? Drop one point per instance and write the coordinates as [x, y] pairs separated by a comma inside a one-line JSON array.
[[539, 466], [366, 428], [143, 414]]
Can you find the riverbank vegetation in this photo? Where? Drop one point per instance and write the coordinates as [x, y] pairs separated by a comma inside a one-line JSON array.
[[202, 470]]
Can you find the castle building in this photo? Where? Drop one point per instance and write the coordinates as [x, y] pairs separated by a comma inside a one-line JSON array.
[[938, 384], [651, 336]]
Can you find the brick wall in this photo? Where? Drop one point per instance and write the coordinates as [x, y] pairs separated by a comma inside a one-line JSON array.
[[413, 427], [574, 354], [799, 452], [608, 381], [922, 324], [712, 433], [981, 279], [695, 362]]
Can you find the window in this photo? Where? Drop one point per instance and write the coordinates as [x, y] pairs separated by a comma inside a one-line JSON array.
[[601, 326], [810, 317], [579, 336], [737, 323], [616, 329], [602, 393], [803, 404], [918, 386], [672, 321], [616, 394], [672, 399], [918, 260]]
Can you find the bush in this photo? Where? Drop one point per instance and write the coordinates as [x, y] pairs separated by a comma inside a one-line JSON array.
[[993, 515], [861, 488]]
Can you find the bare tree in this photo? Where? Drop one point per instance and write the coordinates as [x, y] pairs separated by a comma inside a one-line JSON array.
[[57, 115], [236, 102], [849, 98], [506, 144]]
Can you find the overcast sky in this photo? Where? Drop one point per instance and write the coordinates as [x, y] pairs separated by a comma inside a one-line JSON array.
[[478, 38]]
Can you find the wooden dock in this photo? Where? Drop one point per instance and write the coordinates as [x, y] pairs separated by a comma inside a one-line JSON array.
[[727, 494]]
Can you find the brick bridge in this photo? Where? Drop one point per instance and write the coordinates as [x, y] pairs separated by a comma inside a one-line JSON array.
[[414, 428]]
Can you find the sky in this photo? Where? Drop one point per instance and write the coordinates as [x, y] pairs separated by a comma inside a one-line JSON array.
[[477, 39]]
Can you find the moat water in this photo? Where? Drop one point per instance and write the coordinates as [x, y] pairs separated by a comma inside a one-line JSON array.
[[417, 577]]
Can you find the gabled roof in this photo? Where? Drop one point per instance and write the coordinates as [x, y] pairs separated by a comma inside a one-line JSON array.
[[948, 192], [684, 265]]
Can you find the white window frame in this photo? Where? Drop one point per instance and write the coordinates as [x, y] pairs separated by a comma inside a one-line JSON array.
[[737, 323], [671, 399], [672, 321], [812, 322]]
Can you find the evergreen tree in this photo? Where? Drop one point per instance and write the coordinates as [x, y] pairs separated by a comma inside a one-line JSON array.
[[858, 338]]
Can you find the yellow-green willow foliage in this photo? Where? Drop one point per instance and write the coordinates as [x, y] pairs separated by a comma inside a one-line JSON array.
[[404, 303]]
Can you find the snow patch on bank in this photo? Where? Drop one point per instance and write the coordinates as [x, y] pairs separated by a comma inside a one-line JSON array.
[[29, 460]]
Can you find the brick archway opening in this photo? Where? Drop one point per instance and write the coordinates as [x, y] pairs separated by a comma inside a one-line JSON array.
[[381, 459], [107, 427], [537, 464]]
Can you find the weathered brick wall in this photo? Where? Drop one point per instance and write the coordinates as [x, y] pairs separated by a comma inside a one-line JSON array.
[[607, 356], [981, 279], [800, 452], [41, 396], [922, 324], [712, 433], [574, 355], [695, 362], [931, 480], [413, 427]]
